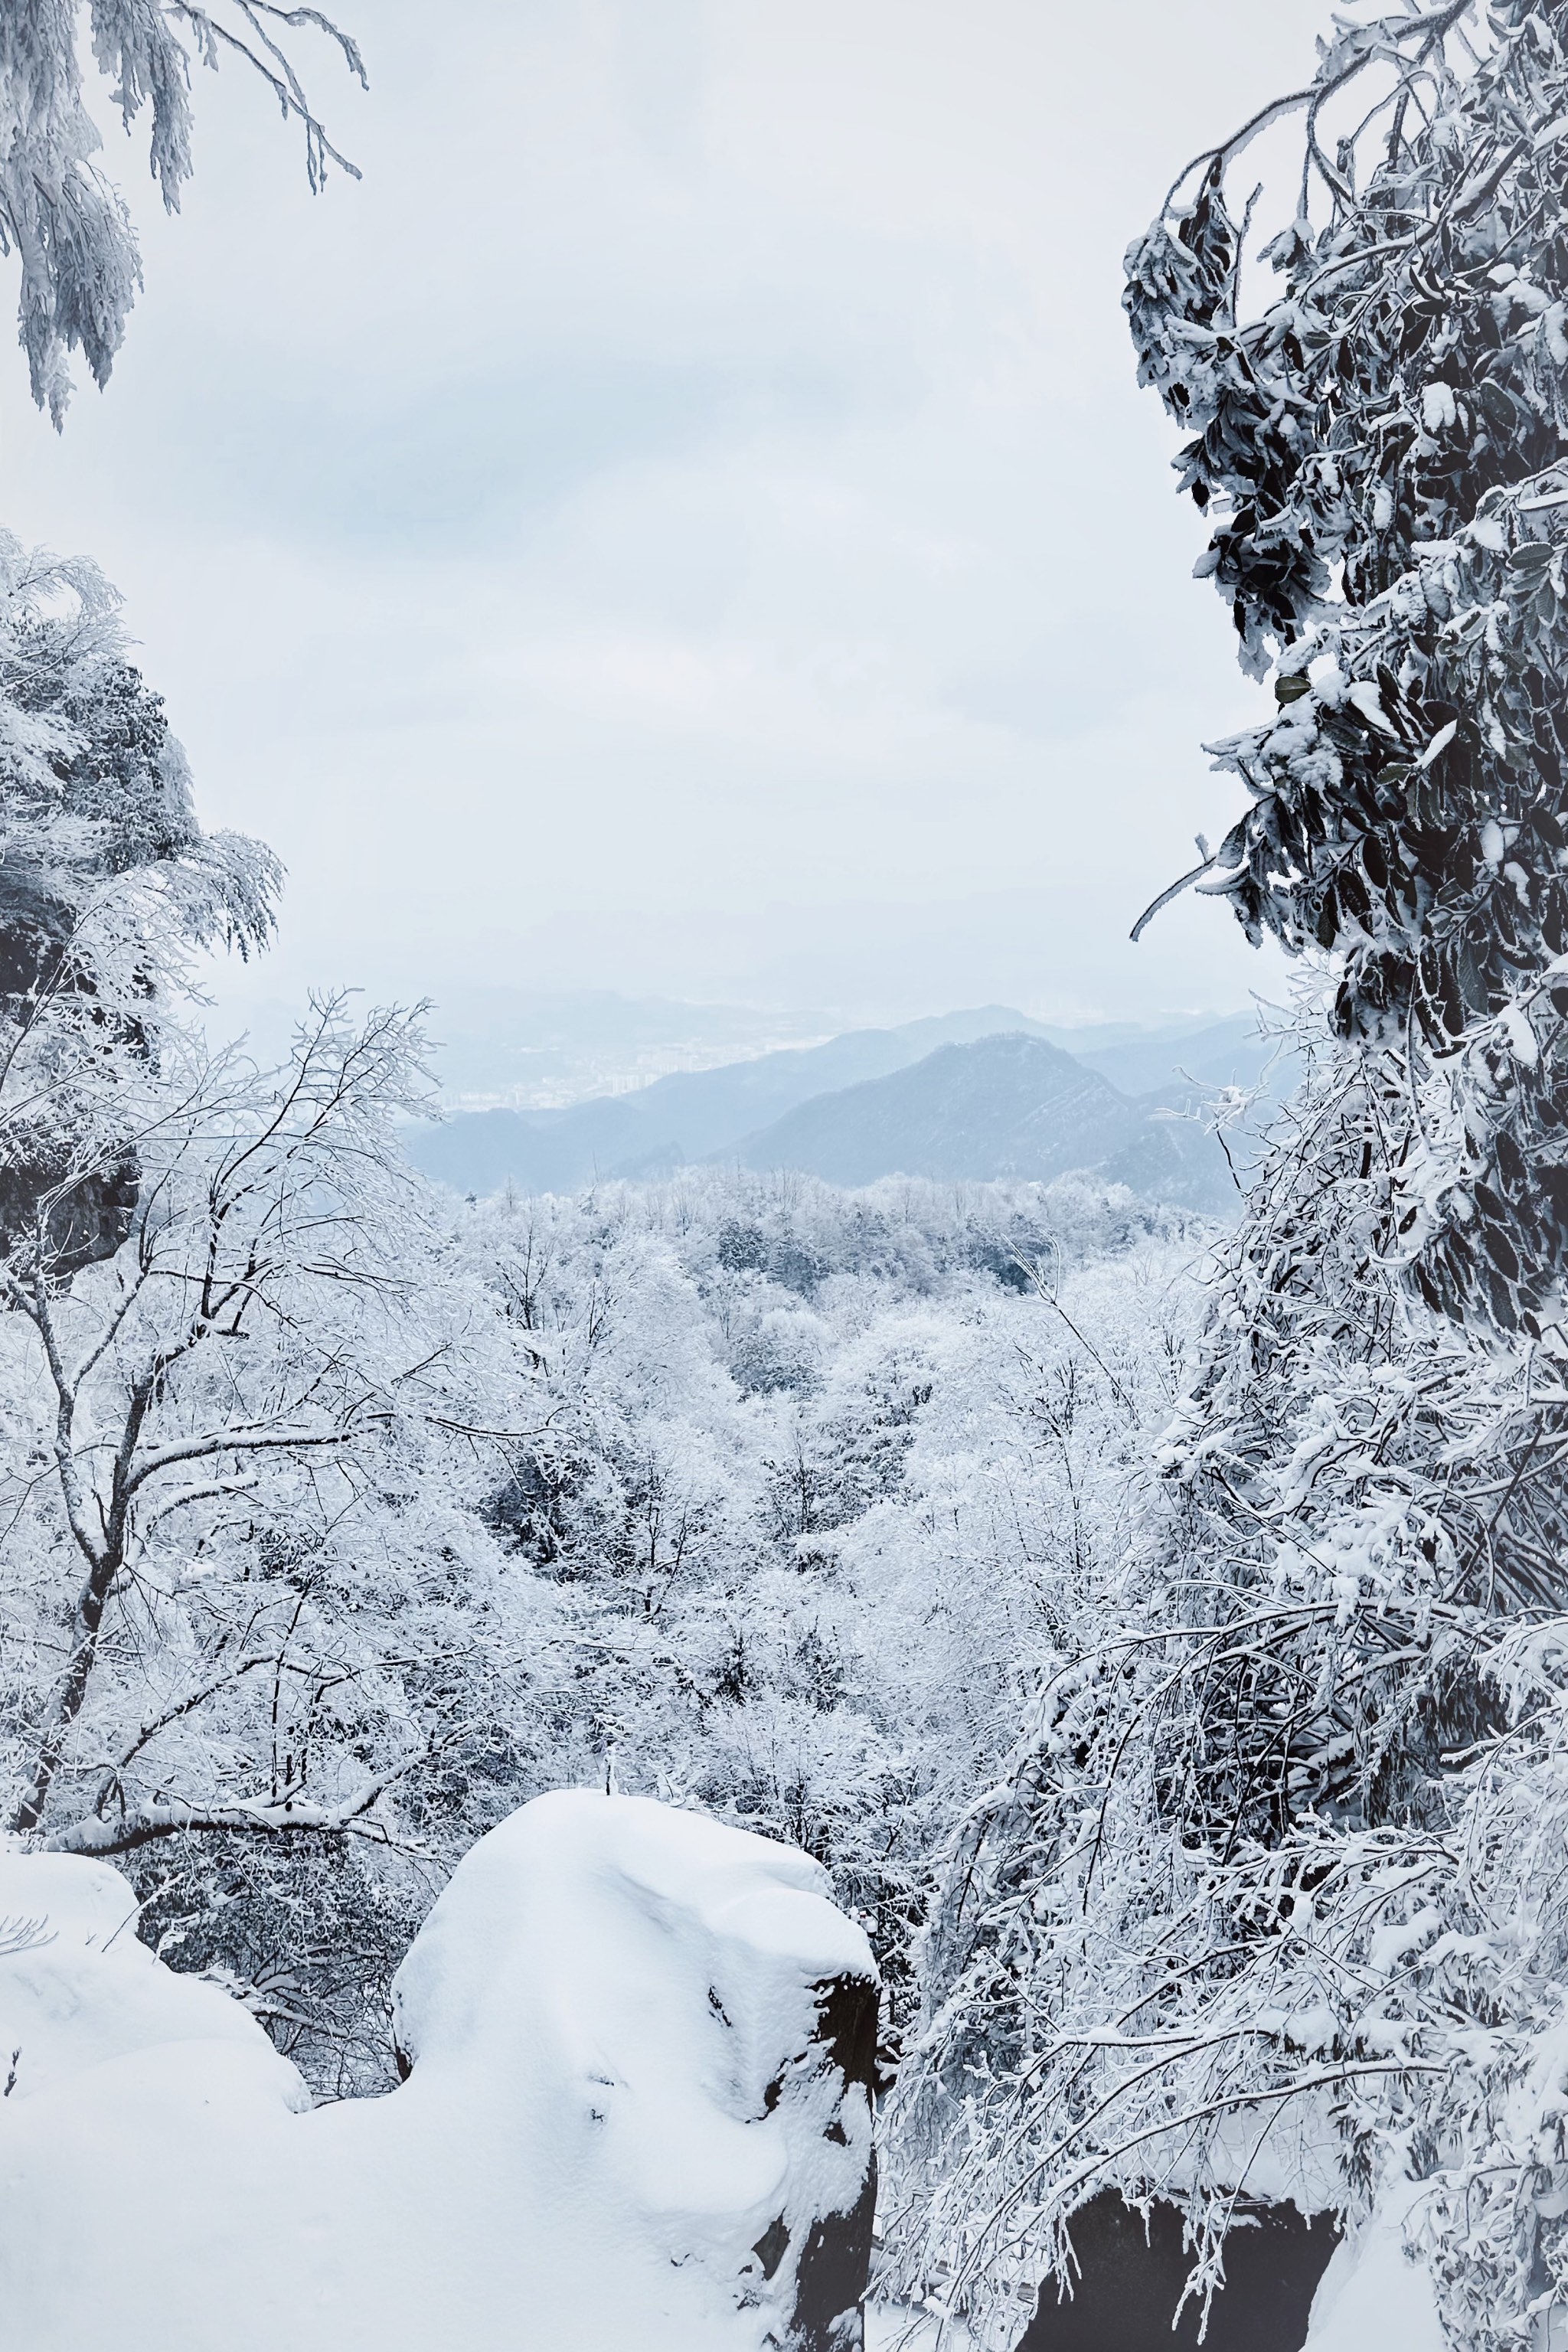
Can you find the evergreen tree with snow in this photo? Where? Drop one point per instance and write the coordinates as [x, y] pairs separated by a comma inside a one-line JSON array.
[[1269, 1898], [107, 884], [1382, 450]]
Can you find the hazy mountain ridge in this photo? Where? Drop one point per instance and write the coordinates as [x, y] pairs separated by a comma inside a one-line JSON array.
[[1007, 1106], [1229, 1052], [690, 1115], [978, 1093]]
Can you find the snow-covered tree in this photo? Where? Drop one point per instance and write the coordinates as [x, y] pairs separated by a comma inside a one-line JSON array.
[[1265, 1900], [250, 1402], [93, 785], [1230, 1921], [337, 1518], [63, 220], [107, 882], [822, 1477], [250, 1598], [1382, 447]]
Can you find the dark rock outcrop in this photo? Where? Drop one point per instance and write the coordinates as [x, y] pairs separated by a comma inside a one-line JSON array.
[[835, 2261], [1131, 2277]]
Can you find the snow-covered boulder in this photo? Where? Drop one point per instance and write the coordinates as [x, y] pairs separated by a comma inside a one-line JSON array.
[[636, 2112], [78, 1991]]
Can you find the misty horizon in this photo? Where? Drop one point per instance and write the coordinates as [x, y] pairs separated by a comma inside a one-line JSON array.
[[748, 508]]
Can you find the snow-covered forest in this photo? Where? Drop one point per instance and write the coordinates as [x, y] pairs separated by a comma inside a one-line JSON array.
[[743, 1491], [1136, 1638]]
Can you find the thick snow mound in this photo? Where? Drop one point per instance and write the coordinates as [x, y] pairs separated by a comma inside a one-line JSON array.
[[76, 1989], [626, 2121], [1373, 2297]]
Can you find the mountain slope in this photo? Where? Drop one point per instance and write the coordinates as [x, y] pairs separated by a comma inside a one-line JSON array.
[[690, 1116], [1005, 1106], [1229, 1052]]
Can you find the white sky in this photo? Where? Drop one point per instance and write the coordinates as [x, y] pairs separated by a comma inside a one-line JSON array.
[[685, 522]]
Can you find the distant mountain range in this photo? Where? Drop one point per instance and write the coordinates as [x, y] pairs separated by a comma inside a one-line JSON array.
[[980, 1094], [691, 1115], [1005, 1106], [1177, 1066], [539, 1048]]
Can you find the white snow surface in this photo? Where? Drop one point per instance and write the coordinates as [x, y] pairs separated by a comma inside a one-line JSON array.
[[81, 1991], [1373, 2297], [602, 2120]]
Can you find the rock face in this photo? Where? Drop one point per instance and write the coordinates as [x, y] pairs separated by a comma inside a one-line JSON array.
[[694, 1994], [639, 2048], [1132, 2275], [827, 2314]]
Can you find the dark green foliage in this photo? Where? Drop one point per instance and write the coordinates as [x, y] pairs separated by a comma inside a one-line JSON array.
[[1382, 446]]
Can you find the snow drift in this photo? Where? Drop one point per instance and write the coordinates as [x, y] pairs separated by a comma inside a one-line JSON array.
[[638, 2049]]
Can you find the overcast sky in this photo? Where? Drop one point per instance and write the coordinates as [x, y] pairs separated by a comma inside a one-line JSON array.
[[684, 521]]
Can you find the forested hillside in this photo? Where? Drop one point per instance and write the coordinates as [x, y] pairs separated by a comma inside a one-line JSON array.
[[747, 1492]]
